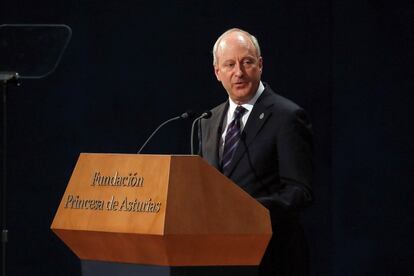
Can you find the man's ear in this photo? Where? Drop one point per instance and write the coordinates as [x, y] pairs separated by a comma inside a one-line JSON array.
[[260, 64], [216, 72]]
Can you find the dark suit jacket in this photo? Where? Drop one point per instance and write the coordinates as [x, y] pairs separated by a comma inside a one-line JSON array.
[[273, 163]]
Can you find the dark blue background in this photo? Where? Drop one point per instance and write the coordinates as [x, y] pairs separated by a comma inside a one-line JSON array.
[[132, 64]]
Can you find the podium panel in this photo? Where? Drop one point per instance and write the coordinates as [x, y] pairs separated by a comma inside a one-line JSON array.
[[159, 210]]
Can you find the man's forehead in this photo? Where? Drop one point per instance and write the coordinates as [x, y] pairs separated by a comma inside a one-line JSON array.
[[235, 41]]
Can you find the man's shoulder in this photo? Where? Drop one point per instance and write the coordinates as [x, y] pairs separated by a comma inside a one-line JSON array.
[[278, 102], [216, 114], [286, 111], [219, 107]]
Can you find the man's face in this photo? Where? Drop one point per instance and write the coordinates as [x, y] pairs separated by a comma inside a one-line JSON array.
[[238, 67]]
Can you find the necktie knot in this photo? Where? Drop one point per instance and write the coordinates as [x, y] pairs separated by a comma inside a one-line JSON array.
[[238, 112]]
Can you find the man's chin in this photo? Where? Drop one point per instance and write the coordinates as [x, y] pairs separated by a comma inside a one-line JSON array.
[[242, 97]]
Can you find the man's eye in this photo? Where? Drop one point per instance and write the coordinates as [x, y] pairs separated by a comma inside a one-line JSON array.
[[229, 65]]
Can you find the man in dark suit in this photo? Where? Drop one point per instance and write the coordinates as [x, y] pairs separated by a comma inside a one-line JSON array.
[[262, 142]]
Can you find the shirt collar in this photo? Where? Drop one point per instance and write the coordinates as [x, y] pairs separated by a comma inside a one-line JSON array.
[[249, 105]]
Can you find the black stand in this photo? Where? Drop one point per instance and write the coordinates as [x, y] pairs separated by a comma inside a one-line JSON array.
[[97, 268], [33, 50], [6, 78]]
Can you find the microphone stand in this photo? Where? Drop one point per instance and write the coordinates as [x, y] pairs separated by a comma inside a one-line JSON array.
[[156, 130], [185, 115], [6, 78], [205, 115]]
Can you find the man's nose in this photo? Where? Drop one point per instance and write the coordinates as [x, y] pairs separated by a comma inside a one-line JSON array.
[[239, 70]]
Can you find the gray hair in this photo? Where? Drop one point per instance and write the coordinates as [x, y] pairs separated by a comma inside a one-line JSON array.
[[252, 38]]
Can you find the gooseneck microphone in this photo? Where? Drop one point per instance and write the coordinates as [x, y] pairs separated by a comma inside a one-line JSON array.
[[185, 115], [205, 115]]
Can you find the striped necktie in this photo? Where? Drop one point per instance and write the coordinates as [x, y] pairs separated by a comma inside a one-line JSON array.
[[232, 137]]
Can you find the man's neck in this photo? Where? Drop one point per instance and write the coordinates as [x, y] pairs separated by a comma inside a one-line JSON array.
[[253, 100]]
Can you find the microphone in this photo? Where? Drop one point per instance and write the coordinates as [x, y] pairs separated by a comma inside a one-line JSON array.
[[206, 115], [185, 115]]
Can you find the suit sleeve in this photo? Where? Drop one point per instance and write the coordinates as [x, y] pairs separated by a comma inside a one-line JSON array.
[[295, 164]]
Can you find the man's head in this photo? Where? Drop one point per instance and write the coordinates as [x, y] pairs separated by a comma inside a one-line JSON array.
[[238, 64]]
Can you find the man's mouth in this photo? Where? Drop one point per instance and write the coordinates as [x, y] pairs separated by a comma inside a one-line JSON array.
[[238, 84]]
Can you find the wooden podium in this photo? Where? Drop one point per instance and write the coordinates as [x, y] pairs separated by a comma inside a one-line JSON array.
[[158, 212]]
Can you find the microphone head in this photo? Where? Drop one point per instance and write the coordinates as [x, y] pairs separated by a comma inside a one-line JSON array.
[[187, 115], [207, 114]]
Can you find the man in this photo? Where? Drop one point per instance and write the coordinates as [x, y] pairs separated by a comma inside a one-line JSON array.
[[262, 142]]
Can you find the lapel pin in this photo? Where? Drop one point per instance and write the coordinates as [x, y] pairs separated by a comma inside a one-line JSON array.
[[261, 116]]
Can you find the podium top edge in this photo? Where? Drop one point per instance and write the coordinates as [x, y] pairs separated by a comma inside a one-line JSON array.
[[131, 154]]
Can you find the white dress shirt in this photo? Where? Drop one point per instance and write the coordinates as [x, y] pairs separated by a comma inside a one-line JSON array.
[[230, 114]]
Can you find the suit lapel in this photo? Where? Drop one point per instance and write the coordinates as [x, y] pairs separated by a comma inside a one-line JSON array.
[[257, 119], [214, 133]]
